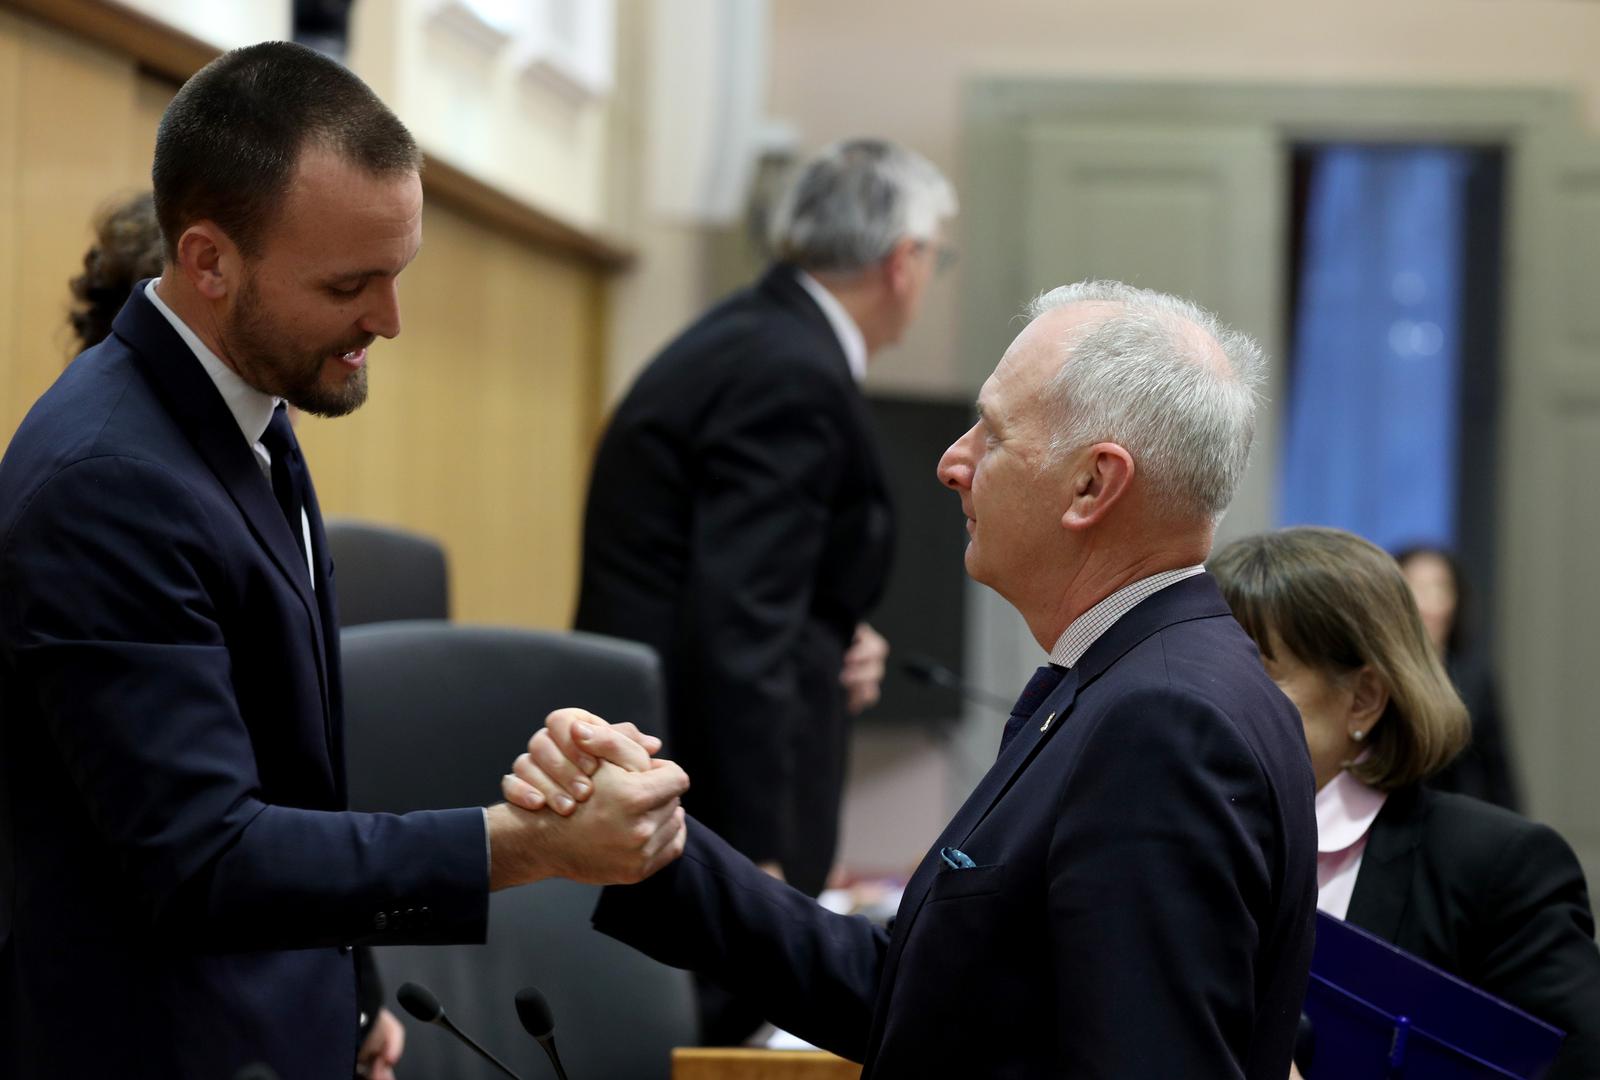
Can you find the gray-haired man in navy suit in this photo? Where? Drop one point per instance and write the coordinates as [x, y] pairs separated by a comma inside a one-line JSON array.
[[1129, 892]]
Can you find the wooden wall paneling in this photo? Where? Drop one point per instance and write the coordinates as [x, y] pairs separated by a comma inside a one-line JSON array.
[[75, 105], [12, 400], [150, 97], [479, 423]]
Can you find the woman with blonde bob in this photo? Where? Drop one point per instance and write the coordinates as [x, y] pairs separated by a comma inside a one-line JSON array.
[[1481, 892]]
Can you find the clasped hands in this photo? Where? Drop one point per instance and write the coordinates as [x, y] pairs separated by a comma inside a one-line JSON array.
[[587, 802]]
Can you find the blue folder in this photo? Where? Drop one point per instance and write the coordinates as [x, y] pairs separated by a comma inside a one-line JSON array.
[[1377, 1013]]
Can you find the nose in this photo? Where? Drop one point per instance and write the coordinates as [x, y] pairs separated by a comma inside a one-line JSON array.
[[383, 317], [955, 467]]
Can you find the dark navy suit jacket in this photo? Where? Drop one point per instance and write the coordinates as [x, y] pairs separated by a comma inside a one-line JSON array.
[[179, 880], [1141, 904]]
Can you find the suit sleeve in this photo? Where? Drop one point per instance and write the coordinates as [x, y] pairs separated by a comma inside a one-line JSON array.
[[812, 972], [1157, 873], [768, 468], [112, 576], [1537, 942]]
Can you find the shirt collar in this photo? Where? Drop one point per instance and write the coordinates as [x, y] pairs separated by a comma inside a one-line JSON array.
[[1346, 809], [851, 340], [251, 409], [1087, 628]]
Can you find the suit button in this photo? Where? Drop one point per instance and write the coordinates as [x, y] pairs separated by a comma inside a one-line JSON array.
[[380, 921], [344, 950]]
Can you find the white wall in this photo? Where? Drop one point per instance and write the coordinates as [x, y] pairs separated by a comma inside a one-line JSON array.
[[227, 24], [470, 99]]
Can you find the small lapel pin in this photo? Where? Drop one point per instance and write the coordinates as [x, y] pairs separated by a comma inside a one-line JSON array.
[[1047, 722]]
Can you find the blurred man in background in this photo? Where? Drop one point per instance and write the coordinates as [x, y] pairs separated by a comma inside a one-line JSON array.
[[737, 518]]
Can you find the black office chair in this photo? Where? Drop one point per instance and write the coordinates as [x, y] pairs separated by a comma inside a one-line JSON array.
[[385, 574], [435, 713]]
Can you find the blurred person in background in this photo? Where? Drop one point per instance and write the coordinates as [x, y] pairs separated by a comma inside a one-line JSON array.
[[127, 249], [1484, 769], [738, 521], [1472, 888]]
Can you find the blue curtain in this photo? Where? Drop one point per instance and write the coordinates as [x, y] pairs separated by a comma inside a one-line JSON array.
[[1372, 423]]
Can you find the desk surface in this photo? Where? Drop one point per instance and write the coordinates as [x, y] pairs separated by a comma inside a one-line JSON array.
[[716, 1063]]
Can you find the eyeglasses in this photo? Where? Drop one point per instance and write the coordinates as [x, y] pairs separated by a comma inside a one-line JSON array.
[[944, 255]]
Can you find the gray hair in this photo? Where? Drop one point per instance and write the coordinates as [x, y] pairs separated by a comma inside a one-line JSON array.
[[1164, 379], [850, 205]]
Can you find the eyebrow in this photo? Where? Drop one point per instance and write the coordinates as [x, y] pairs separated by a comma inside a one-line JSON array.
[[381, 271]]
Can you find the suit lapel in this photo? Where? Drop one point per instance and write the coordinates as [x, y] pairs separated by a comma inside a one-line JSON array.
[[193, 401], [1383, 884]]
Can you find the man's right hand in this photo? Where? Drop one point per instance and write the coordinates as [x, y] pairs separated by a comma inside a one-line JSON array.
[[630, 826], [563, 755]]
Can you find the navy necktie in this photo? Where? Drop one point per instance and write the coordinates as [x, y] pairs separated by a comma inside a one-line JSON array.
[[1043, 683], [288, 473]]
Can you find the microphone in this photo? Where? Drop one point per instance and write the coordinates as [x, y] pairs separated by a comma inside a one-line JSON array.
[[534, 1012], [256, 1071], [930, 672], [419, 1001]]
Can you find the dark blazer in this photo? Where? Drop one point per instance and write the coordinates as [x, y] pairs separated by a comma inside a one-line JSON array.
[[1485, 769], [1493, 898], [1141, 904], [178, 876], [737, 522]]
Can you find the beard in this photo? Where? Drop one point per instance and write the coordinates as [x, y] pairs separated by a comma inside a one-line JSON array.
[[272, 362]]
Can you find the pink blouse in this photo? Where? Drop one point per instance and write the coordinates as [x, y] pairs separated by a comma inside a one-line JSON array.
[[1346, 809]]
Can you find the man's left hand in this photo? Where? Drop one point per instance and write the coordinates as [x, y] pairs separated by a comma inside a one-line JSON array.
[[864, 663], [382, 1049]]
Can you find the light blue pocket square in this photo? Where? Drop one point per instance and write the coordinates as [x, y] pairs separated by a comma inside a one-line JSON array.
[[956, 859]]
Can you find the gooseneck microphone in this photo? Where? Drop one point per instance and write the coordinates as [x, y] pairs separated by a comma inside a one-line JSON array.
[[534, 1012], [419, 1001]]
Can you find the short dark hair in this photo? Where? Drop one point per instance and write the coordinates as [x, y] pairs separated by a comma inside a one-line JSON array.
[[231, 138]]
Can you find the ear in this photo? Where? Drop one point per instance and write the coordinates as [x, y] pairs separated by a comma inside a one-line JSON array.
[[1100, 477], [208, 259], [899, 266], [1368, 700]]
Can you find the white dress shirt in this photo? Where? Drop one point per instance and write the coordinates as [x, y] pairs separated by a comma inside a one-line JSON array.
[[851, 340], [1087, 628]]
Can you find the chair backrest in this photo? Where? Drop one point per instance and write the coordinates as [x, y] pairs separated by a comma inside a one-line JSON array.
[[435, 713], [385, 574]]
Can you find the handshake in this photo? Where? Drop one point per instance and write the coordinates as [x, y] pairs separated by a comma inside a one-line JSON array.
[[586, 802]]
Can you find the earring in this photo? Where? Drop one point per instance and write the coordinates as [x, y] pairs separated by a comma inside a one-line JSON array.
[[1358, 735]]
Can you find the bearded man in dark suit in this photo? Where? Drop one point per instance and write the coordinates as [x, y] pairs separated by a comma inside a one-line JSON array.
[[178, 869]]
